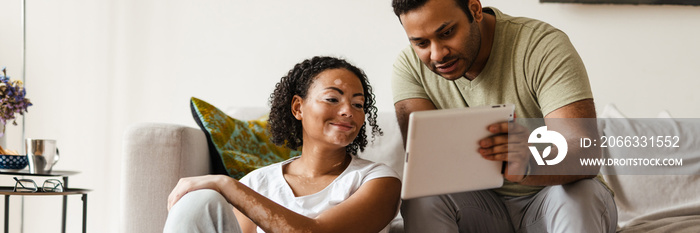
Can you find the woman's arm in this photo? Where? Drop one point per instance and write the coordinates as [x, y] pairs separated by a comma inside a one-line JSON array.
[[369, 209], [244, 222]]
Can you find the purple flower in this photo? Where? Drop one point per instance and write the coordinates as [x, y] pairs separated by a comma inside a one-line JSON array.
[[12, 99]]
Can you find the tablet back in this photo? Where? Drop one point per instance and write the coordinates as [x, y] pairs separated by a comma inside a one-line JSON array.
[[442, 151]]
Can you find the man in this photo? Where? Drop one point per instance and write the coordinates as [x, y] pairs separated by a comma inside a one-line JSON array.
[[463, 55]]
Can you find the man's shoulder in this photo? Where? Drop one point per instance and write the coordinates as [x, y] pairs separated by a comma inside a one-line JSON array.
[[408, 64], [408, 57], [533, 26]]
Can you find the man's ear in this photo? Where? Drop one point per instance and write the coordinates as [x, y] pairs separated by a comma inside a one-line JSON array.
[[475, 8], [296, 106]]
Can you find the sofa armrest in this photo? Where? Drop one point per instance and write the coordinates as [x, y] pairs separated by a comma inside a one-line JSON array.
[[155, 157]]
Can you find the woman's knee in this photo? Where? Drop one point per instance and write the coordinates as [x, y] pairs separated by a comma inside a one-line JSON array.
[[203, 197], [201, 211], [193, 204]]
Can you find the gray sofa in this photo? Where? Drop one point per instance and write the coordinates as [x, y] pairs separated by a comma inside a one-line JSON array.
[[157, 155]]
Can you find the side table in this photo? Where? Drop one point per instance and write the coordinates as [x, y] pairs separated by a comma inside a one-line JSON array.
[[8, 191]]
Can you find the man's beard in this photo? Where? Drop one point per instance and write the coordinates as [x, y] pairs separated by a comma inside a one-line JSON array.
[[474, 41]]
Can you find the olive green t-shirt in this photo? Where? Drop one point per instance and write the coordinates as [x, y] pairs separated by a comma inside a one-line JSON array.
[[532, 65]]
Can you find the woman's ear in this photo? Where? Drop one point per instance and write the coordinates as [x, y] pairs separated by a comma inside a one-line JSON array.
[[296, 106]]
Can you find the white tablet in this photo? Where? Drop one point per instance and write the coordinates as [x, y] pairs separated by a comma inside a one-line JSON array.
[[442, 151]]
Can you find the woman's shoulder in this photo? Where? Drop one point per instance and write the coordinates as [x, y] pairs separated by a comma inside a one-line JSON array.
[[357, 161], [370, 169], [360, 162], [265, 173]]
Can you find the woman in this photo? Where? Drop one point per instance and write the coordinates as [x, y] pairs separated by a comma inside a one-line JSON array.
[[321, 104]]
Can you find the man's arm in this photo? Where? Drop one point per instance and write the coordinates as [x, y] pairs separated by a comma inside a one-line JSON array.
[[580, 109], [513, 147], [404, 108]]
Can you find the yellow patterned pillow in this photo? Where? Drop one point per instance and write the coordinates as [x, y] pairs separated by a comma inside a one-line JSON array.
[[237, 147]]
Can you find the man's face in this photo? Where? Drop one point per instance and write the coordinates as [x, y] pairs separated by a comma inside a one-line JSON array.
[[443, 37]]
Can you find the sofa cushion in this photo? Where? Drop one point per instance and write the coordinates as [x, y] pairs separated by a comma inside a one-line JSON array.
[[236, 147], [650, 198], [681, 224]]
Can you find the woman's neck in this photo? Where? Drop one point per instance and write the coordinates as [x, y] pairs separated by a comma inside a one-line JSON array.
[[314, 170], [315, 161]]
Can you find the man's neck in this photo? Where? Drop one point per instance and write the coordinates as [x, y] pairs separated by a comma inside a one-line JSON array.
[[487, 27]]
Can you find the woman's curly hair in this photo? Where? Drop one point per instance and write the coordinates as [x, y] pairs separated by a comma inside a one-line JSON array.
[[286, 130]]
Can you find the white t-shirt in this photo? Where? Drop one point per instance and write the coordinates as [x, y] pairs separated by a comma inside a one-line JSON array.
[[269, 181]]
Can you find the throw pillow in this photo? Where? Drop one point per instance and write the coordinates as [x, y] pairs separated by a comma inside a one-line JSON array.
[[236, 147]]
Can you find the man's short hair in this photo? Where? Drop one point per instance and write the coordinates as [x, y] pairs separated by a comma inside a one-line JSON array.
[[404, 6]]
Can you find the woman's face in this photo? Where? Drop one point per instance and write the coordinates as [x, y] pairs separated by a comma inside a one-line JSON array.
[[333, 111]]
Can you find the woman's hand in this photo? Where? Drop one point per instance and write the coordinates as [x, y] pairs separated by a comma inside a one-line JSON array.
[[189, 184]]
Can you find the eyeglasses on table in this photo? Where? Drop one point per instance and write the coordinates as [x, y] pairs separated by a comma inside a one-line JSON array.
[[29, 186]]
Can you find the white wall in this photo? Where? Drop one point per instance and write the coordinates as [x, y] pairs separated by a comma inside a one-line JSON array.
[[96, 67]]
